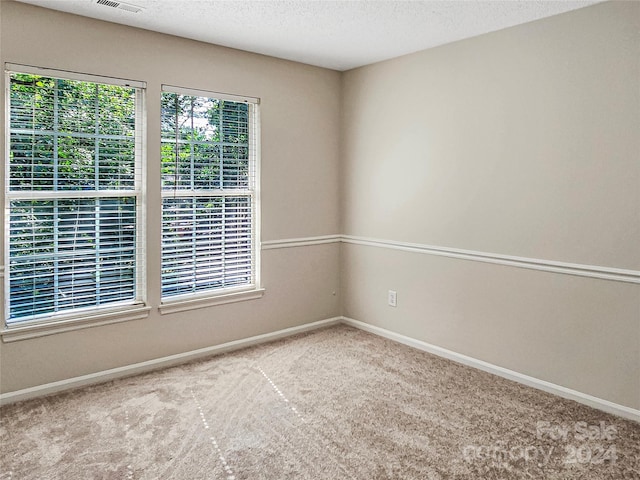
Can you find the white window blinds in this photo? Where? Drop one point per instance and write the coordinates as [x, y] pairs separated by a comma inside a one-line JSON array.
[[73, 194], [209, 201]]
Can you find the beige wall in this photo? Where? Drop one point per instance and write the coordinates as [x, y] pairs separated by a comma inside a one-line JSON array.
[[300, 115], [522, 142]]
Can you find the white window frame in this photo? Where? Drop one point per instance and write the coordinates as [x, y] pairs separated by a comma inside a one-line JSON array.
[[207, 298], [94, 315]]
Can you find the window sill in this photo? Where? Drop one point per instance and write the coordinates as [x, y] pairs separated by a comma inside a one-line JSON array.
[[182, 304], [95, 319]]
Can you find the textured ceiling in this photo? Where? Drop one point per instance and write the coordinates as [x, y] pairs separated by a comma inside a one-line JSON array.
[[334, 34]]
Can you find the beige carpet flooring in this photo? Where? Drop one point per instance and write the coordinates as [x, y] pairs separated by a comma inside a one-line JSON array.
[[336, 403]]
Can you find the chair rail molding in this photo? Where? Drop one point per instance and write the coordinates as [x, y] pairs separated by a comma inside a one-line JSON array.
[[594, 271], [554, 266]]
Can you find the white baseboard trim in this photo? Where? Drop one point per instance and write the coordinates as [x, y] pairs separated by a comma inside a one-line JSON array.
[[586, 399], [171, 360]]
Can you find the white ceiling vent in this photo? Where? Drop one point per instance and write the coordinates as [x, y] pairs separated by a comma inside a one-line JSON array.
[[120, 6]]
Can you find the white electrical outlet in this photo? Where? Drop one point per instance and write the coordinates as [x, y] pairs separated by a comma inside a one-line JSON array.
[[393, 298]]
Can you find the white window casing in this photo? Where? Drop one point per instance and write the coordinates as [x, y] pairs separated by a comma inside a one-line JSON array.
[[74, 201], [210, 199]]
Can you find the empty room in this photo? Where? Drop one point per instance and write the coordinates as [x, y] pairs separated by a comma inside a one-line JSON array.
[[320, 239]]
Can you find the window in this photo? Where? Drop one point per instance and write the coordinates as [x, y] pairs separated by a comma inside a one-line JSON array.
[[209, 195], [73, 195]]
